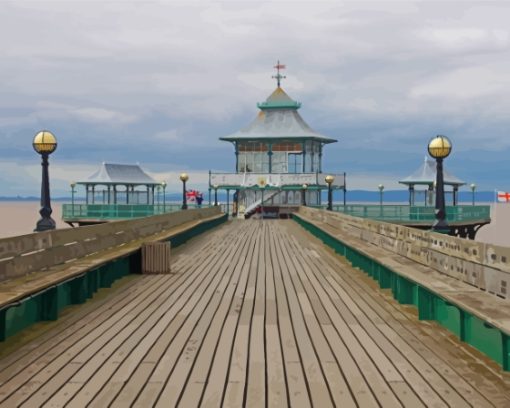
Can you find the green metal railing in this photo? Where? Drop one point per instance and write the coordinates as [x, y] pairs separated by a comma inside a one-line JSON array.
[[72, 212], [406, 213]]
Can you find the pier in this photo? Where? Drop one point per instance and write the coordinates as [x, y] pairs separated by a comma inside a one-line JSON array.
[[265, 313]]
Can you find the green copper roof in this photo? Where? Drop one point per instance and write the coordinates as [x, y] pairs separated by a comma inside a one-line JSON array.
[[279, 100], [278, 118]]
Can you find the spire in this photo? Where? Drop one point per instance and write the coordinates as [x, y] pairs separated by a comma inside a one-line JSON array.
[[279, 76]]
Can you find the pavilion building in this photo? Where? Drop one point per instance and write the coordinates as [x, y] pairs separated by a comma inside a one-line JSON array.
[[425, 176], [119, 184], [278, 157]]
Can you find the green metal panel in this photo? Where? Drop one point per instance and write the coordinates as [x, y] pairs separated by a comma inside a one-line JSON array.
[[23, 315], [485, 338], [49, 304], [72, 212], [465, 326], [506, 351], [404, 290], [448, 315], [406, 213]]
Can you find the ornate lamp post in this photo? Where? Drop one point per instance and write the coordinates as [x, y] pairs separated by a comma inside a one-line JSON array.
[[439, 148], [304, 186], [215, 195], [73, 185], [329, 180], [45, 143], [163, 184], [184, 177], [381, 192], [473, 188]]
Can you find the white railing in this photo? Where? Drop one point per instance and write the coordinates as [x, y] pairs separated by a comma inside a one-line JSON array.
[[247, 180]]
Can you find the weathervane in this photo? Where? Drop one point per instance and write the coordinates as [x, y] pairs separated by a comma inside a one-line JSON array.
[[278, 76]]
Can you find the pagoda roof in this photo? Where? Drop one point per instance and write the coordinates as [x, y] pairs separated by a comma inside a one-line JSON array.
[[426, 175], [278, 119], [110, 173], [279, 100]]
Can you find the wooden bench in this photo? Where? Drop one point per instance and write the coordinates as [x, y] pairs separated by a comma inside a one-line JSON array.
[[474, 316], [44, 272]]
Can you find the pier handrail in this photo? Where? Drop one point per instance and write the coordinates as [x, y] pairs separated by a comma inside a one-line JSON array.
[[451, 280], [23, 255]]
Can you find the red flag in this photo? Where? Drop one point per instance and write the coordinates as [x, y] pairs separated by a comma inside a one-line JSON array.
[[503, 197]]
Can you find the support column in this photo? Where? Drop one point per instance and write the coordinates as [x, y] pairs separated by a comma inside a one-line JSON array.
[[93, 194], [127, 194], [270, 157], [303, 144], [228, 203], [455, 193], [109, 194], [411, 194], [114, 194], [320, 158], [236, 149]]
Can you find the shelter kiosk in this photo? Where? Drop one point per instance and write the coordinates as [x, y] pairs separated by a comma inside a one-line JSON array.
[[426, 176], [278, 158], [119, 184]]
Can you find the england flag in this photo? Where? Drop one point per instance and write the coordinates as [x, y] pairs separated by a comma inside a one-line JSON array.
[[503, 197]]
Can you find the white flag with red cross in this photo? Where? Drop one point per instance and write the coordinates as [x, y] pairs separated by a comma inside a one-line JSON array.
[[503, 197]]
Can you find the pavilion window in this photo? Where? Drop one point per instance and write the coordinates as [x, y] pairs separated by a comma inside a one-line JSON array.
[[279, 162], [295, 162]]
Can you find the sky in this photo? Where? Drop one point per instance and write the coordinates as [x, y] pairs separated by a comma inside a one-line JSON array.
[[157, 83]]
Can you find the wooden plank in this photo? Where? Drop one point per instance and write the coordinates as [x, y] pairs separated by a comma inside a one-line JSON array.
[[296, 380], [178, 357], [450, 386], [351, 314], [427, 343], [191, 393], [315, 317], [156, 338], [84, 342], [215, 381], [319, 381], [277, 392], [357, 365], [236, 382], [261, 315], [256, 370]]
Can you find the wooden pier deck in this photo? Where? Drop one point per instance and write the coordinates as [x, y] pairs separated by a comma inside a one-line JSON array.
[[256, 313]]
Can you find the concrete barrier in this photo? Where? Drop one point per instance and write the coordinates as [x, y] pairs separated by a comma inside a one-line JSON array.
[[485, 266], [25, 254]]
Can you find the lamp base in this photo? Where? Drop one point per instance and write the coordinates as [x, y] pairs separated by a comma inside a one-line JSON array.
[[45, 224], [441, 226]]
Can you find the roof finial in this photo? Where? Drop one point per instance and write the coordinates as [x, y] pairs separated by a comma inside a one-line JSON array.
[[278, 76]]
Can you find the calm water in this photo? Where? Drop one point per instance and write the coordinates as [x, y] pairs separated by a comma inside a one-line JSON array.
[[20, 217]]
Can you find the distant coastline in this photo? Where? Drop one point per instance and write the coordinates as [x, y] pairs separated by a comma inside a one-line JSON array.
[[353, 197], [19, 216]]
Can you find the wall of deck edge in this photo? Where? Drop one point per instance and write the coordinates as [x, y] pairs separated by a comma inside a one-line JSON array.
[[47, 305], [466, 327]]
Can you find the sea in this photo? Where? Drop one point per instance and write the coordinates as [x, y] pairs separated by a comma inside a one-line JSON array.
[[20, 217]]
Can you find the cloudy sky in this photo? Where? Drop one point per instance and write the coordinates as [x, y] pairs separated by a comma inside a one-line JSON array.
[[158, 83]]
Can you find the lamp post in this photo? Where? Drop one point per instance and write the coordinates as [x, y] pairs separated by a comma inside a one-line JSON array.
[[439, 148], [215, 195], [473, 188], [329, 180], [381, 192], [163, 184], [73, 185], [45, 143], [184, 177], [304, 186]]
